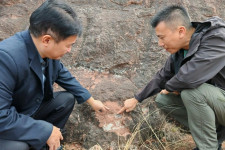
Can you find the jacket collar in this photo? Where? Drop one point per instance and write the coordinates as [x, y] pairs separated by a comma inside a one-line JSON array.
[[33, 54], [201, 29]]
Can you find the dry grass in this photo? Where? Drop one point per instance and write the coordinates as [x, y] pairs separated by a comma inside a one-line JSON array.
[[168, 137]]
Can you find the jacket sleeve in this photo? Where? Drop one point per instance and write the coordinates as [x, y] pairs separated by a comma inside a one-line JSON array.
[[13, 125], [68, 82], [158, 82], [203, 66]]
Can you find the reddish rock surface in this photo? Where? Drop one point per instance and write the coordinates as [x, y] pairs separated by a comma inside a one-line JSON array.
[[113, 122]]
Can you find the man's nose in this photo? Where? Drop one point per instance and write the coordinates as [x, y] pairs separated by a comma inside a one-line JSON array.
[[160, 43], [69, 50]]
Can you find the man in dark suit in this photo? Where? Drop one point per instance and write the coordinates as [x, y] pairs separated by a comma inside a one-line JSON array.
[[31, 115]]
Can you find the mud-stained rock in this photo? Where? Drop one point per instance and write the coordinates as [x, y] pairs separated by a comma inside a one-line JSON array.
[[113, 122], [84, 125]]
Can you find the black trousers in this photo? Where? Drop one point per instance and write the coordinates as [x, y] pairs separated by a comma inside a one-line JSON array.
[[55, 111]]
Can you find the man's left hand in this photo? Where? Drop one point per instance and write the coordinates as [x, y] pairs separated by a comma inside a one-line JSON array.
[[166, 92]]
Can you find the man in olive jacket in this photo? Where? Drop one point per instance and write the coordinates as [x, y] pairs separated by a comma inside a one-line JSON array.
[[192, 82], [31, 115]]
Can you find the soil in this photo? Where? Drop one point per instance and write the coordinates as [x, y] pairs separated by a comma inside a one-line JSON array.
[[113, 122]]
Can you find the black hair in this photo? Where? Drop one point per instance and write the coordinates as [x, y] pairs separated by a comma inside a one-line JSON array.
[[172, 15], [55, 18]]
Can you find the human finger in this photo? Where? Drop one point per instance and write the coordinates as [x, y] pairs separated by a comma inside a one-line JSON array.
[[103, 110], [176, 93], [164, 92], [57, 146], [107, 108], [51, 147], [128, 110], [121, 110], [61, 137]]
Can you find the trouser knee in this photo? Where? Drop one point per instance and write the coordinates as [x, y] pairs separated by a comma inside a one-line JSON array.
[[164, 101], [65, 100], [193, 96], [172, 105], [13, 145], [56, 110], [185, 94], [160, 100]]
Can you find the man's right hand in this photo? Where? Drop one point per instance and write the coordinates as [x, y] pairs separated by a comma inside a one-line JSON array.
[[129, 105], [54, 139]]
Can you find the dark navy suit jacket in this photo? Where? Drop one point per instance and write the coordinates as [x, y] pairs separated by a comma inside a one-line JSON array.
[[21, 91]]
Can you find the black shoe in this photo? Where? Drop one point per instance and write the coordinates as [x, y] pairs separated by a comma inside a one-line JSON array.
[[219, 148]]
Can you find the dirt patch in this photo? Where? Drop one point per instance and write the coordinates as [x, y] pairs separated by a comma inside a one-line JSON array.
[[73, 146], [113, 122]]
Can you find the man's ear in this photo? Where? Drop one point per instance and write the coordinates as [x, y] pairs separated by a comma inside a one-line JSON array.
[[47, 39], [182, 31]]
